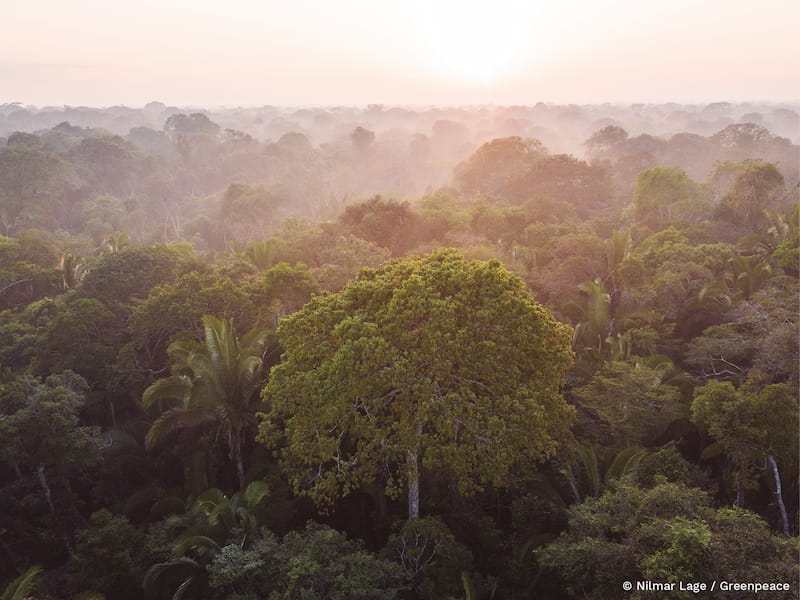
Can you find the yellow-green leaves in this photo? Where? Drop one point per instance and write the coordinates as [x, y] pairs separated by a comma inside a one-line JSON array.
[[430, 361]]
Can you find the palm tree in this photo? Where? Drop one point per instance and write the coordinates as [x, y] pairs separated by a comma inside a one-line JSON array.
[[73, 270], [588, 479], [219, 385], [596, 322], [617, 250], [23, 586], [113, 243], [180, 577], [234, 512], [196, 547], [746, 276]]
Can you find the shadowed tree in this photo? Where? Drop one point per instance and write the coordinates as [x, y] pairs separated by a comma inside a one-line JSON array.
[[756, 430], [217, 385]]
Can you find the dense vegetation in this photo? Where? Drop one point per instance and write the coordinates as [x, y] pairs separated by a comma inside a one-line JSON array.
[[223, 377]]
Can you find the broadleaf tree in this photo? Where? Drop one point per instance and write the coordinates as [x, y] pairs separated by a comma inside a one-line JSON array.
[[426, 363]]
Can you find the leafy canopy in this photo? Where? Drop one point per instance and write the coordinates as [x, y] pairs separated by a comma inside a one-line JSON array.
[[431, 359]]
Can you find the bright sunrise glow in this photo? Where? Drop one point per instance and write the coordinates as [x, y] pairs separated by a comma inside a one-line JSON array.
[[474, 42], [240, 52]]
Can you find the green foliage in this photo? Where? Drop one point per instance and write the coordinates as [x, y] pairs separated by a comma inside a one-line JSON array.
[[668, 533], [50, 453], [625, 403], [387, 223], [247, 572], [20, 333], [108, 163], [750, 423], [665, 464], [175, 311], [488, 171], [343, 262], [443, 218], [432, 359], [431, 372], [232, 513], [81, 337], [175, 579], [659, 193], [315, 563], [122, 277], [249, 212], [721, 353], [564, 179], [23, 586], [430, 556], [33, 182], [73, 269], [26, 271], [40, 427], [751, 426], [757, 185], [103, 215], [110, 556], [219, 386], [282, 290]]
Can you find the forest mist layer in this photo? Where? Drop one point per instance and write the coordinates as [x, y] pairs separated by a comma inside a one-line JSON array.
[[169, 165], [394, 352]]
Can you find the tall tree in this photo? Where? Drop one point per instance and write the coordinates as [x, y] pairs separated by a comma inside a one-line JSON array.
[[427, 363], [218, 385], [660, 192], [669, 533], [756, 430]]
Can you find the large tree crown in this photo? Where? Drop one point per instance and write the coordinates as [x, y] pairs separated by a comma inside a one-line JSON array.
[[447, 359]]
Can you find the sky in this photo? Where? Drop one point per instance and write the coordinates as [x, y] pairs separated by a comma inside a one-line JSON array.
[[359, 52]]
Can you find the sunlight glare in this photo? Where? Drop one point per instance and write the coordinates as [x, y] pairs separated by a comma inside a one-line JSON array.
[[474, 41]]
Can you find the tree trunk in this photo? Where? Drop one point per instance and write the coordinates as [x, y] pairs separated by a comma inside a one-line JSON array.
[[413, 486], [47, 495], [46, 489], [413, 476], [779, 494], [236, 456]]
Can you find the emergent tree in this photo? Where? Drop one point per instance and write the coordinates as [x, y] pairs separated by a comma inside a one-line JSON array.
[[429, 363]]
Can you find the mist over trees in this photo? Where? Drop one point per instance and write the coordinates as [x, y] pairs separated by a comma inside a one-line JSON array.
[[397, 352]]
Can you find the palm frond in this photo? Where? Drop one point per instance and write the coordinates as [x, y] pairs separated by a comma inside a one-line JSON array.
[[177, 387], [23, 586], [250, 378], [202, 544], [589, 459], [254, 341], [254, 493], [178, 418], [222, 344], [180, 351], [183, 569], [625, 463]]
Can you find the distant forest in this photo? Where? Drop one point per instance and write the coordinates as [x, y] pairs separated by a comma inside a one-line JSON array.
[[398, 352]]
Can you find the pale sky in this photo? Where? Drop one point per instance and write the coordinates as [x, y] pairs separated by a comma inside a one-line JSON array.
[[312, 52]]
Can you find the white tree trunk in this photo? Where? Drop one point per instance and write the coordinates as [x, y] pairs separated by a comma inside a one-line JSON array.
[[413, 476], [779, 494]]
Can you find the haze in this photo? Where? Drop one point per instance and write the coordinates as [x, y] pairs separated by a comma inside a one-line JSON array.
[[309, 52]]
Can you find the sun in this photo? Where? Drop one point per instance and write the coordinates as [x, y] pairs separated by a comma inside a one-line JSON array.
[[474, 42]]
